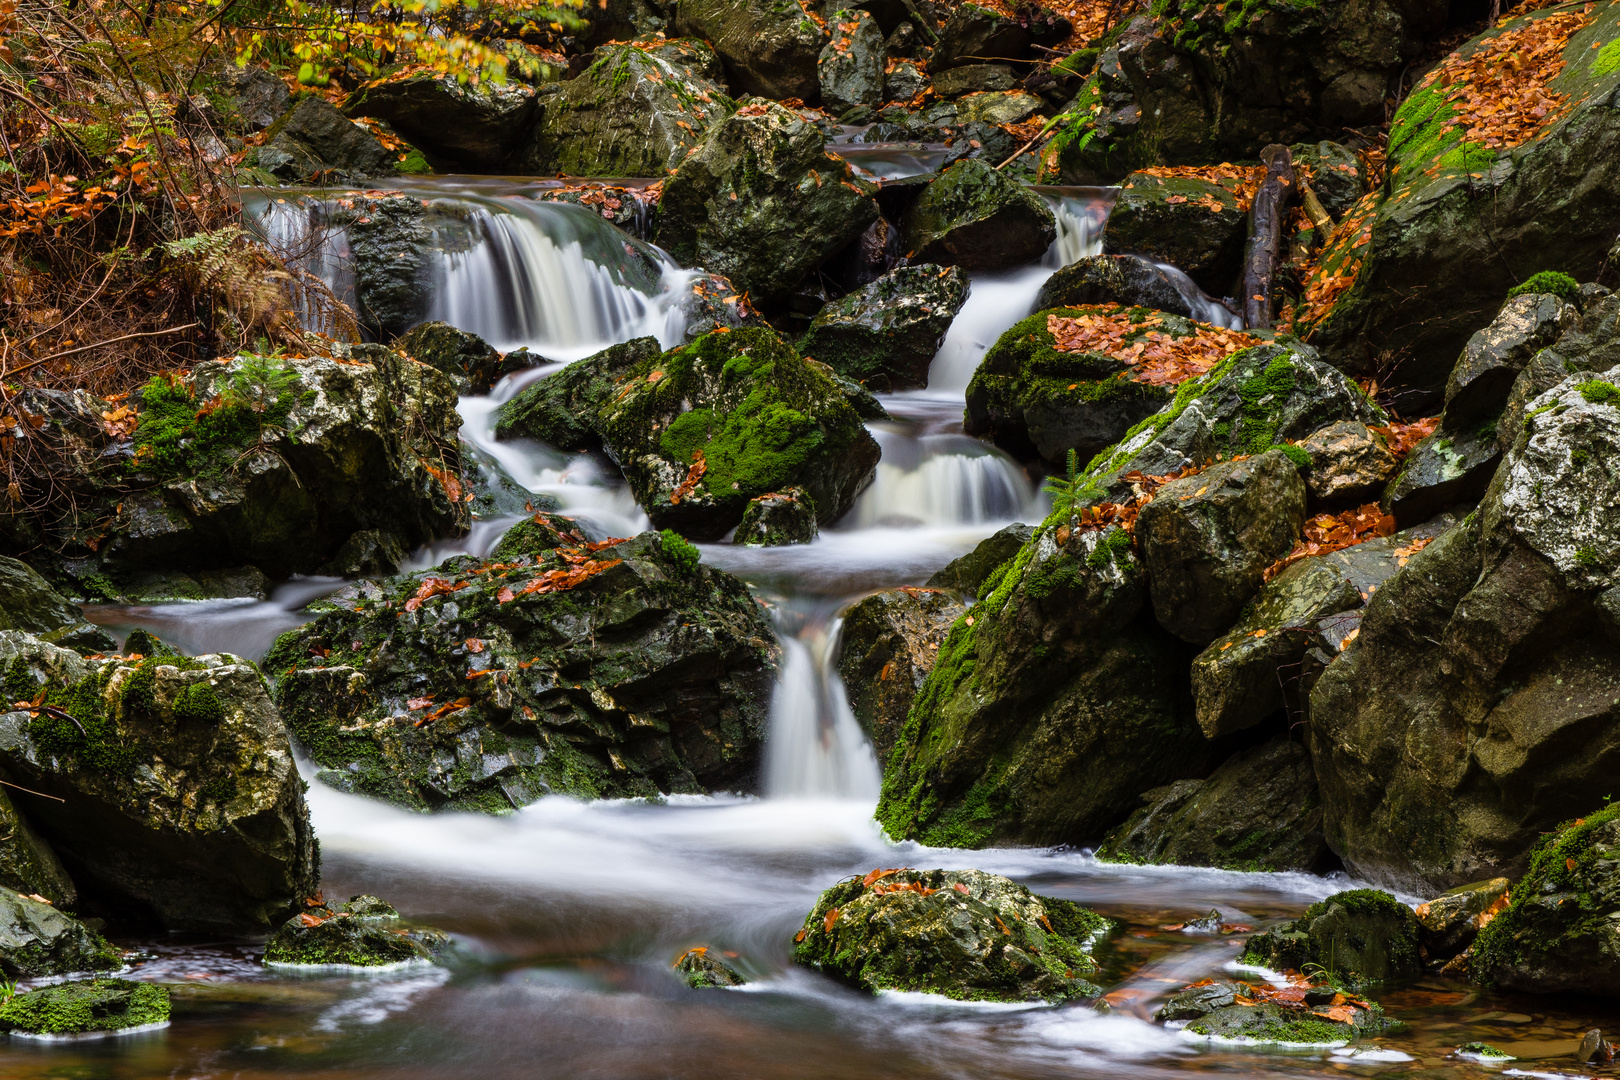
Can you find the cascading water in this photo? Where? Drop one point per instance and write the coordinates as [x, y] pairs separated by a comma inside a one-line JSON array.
[[815, 748]]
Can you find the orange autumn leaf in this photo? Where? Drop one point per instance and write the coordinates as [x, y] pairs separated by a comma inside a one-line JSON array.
[[693, 475]]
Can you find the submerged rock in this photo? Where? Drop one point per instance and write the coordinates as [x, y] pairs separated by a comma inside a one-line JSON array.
[[179, 798], [889, 643], [762, 202], [963, 934], [615, 669], [776, 518], [104, 1006], [702, 970], [977, 218], [365, 932], [1362, 936], [885, 335], [475, 125], [36, 939]]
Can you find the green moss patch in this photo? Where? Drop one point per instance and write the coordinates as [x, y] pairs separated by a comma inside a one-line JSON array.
[[177, 435], [93, 1005], [1552, 282]]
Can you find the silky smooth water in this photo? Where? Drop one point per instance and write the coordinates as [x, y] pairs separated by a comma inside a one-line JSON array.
[[568, 915]]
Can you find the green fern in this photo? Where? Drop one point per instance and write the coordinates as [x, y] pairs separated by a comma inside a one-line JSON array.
[[1066, 491]]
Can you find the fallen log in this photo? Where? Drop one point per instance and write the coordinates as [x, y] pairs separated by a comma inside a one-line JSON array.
[[1268, 219]]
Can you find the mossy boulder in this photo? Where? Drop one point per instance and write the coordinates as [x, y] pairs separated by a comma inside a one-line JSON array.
[[888, 646], [702, 970], [762, 202], [364, 933], [89, 1007], [36, 939], [769, 49], [968, 573], [1035, 400], [1127, 280], [776, 518], [1207, 539], [885, 335], [1258, 811], [1556, 935], [636, 110], [166, 784], [977, 218], [850, 69], [278, 462], [1443, 734], [1054, 702], [314, 140], [1361, 936], [963, 934], [560, 408], [558, 666], [29, 603], [1547, 211], [468, 359], [1269, 1024], [474, 126], [705, 428]]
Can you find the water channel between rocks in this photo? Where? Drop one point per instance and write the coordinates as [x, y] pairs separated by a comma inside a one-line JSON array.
[[569, 914]]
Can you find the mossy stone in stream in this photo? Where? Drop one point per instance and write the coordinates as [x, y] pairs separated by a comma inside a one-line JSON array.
[[93, 1005], [36, 939], [776, 518], [702, 970], [1272, 1024], [365, 932], [963, 934], [1360, 935]]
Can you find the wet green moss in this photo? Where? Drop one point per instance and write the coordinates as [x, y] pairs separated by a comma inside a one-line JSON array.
[[90, 1005], [1551, 282], [1597, 392], [681, 551], [1607, 61], [198, 703], [177, 435]]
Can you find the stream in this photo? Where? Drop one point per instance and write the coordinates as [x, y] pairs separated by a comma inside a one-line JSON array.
[[567, 914]]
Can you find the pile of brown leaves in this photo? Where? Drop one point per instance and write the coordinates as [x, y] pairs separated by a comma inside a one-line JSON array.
[[616, 203], [1154, 358], [1091, 18], [1401, 438], [1124, 514], [1340, 262], [693, 475], [1242, 180], [1327, 533]]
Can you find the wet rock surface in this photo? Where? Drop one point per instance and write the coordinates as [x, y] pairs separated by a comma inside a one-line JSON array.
[[768, 49], [890, 642], [702, 970], [36, 939], [963, 934], [1195, 225], [885, 335], [476, 126], [776, 518], [365, 932], [1362, 936], [978, 219], [314, 140], [105, 1006]]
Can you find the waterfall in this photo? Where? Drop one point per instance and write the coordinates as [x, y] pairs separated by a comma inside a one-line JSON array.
[[1202, 306], [941, 481], [815, 747]]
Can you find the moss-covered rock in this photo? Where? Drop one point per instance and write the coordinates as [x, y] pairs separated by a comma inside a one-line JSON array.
[[769, 48], [776, 518], [1258, 811], [475, 127], [885, 335], [977, 218], [560, 409], [1360, 936], [1270, 1024], [1443, 734], [557, 667], [1556, 935], [179, 797], [702, 970], [1208, 538], [36, 939], [93, 1006], [889, 643], [762, 202], [364, 933], [968, 573], [963, 934], [1593, 344], [1054, 703], [467, 358], [635, 111], [705, 428]]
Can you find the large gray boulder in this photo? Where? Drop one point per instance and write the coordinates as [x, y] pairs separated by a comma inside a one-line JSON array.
[[762, 202], [977, 218], [313, 139], [885, 335], [166, 784], [558, 666], [1442, 735], [769, 49], [36, 939], [851, 66], [889, 643], [1491, 361], [475, 126]]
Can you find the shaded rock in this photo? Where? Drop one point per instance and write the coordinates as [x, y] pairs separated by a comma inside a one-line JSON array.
[[974, 34], [314, 140], [180, 798], [559, 409], [476, 126], [707, 427], [716, 303], [1363, 936], [368, 553], [1337, 174], [1595, 1049], [885, 336], [1447, 468], [364, 933], [1452, 920], [1207, 539], [762, 202], [1258, 811], [1051, 711], [1592, 345], [967, 574], [904, 80], [1492, 359], [978, 219], [702, 970], [635, 671], [78, 1008], [27, 863], [36, 939], [465, 357], [888, 646], [1441, 736], [28, 603], [963, 934], [1008, 107], [778, 517], [635, 111], [296, 456], [973, 79], [768, 49], [1556, 935], [1126, 280], [258, 98], [850, 69], [1197, 1001], [1035, 400], [1197, 226], [1349, 462]]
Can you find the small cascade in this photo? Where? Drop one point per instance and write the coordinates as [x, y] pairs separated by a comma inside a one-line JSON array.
[[1204, 308], [940, 481], [815, 748], [1080, 214]]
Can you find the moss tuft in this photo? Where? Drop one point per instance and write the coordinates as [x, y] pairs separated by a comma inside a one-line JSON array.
[[1551, 282], [1598, 392]]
